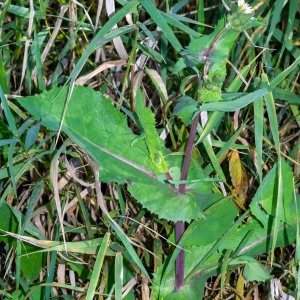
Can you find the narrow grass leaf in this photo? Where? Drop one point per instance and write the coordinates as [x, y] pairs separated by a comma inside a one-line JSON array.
[[17, 110], [287, 96], [4, 10], [297, 254], [85, 215], [235, 104], [278, 79], [36, 53], [178, 6], [31, 136], [172, 20], [8, 115], [220, 155], [274, 129], [10, 158], [96, 43], [35, 195], [275, 19], [18, 257], [212, 123], [296, 112], [159, 84], [258, 133], [97, 267], [6, 142], [118, 276], [224, 267], [147, 32], [22, 11], [290, 46], [24, 126], [212, 156], [187, 20], [289, 28], [3, 76], [130, 249], [158, 18], [51, 268], [24, 167], [111, 9], [54, 179], [149, 52]]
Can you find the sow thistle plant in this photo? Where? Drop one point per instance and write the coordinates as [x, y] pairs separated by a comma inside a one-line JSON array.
[[239, 17], [180, 181]]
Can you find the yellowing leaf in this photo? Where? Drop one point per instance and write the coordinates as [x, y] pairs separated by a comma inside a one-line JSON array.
[[235, 170], [239, 178], [240, 286]]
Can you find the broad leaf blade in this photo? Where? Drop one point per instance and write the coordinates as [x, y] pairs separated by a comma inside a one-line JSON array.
[[93, 123]]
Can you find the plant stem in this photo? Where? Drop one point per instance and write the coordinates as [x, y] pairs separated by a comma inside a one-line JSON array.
[[179, 226]]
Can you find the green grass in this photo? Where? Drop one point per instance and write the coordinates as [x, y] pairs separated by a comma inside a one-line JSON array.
[[70, 226]]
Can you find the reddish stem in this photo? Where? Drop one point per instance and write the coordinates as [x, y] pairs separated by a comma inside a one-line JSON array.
[[179, 226]]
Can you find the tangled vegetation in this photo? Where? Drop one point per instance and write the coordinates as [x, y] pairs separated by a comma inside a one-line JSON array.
[[149, 149]]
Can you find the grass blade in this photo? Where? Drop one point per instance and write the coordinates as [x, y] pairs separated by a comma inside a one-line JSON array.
[[36, 193], [94, 44], [275, 19], [278, 79], [235, 104], [158, 18], [8, 115], [118, 276], [258, 130], [274, 129], [97, 267]]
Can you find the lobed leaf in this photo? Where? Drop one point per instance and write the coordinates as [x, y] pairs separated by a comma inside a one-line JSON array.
[[101, 130]]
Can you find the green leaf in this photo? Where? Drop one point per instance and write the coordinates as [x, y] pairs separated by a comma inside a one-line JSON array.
[[31, 136], [173, 20], [266, 194], [8, 115], [194, 289], [213, 227], [166, 202], [253, 271], [198, 240], [30, 265], [104, 134], [245, 241], [258, 127], [278, 79], [101, 37], [118, 276], [235, 104], [33, 198], [163, 284], [258, 234], [288, 96], [155, 145], [158, 18], [185, 109], [97, 267], [275, 19]]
